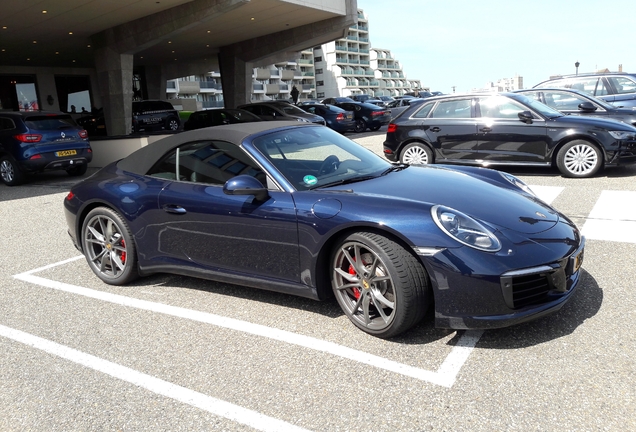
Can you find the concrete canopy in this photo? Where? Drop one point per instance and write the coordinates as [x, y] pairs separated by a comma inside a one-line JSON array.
[[168, 38]]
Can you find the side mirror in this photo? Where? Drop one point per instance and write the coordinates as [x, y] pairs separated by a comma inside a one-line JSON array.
[[587, 107], [525, 116], [246, 185]]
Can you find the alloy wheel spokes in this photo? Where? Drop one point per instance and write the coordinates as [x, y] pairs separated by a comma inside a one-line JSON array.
[[108, 250]]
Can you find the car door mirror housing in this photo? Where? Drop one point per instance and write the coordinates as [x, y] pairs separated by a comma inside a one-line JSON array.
[[587, 107], [245, 185], [525, 116]]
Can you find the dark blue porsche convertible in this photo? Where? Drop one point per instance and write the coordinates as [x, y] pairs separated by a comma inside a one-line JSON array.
[[301, 209]]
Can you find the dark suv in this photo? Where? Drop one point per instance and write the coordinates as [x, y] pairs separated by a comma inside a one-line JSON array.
[[616, 88], [154, 115], [38, 141]]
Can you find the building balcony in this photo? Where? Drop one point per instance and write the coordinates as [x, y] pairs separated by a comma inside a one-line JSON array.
[[206, 85], [306, 61], [355, 38], [341, 48], [352, 49]]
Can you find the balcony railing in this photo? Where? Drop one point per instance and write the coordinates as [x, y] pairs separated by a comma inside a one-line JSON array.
[[354, 38], [171, 85], [210, 85], [212, 104], [306, 61], [258, 87]]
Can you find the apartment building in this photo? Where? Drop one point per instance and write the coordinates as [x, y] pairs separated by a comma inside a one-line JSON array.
[[343, 67]]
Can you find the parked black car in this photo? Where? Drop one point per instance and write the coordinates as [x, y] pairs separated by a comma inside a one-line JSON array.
[[281, 110], [337, 118], [507, 129], [37, 141], [154, 115], [574, 102], [217, 117], [367, 115], [614, 87], [362, 97]]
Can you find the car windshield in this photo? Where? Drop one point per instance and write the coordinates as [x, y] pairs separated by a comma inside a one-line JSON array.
[[291, 109], [50, 122], [537, 106], [314, 157]]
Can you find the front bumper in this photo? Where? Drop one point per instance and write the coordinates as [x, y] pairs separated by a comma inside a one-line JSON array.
[[488, 301]]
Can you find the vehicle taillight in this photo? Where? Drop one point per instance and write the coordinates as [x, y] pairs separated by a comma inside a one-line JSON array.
[[392, 128], [28, 138], [70, 196], [340, 116], [83, 133], [35, 156], [377, 113]]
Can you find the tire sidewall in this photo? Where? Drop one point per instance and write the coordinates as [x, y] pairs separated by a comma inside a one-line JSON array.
[[130, 273], [560, 159]]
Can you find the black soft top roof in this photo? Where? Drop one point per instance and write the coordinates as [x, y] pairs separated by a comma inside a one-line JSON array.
[[143, 159]]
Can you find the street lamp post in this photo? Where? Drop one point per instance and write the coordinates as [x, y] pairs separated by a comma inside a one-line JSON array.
[[577, 67]]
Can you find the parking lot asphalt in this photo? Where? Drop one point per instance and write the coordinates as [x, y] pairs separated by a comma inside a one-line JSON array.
[[176, 353]]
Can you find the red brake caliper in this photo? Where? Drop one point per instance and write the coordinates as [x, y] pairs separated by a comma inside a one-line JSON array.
[[352, 272], [123, 254]]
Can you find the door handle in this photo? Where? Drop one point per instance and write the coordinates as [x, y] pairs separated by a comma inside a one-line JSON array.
[[175, 209], [485, 129], [435, 129]]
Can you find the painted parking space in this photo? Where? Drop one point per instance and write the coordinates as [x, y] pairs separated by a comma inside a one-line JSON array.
[[613, 217]]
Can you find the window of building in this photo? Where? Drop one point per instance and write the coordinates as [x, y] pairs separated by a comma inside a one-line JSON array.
[[320, 83], [318, 71], [73, 93], [320, 95], [317, 59]]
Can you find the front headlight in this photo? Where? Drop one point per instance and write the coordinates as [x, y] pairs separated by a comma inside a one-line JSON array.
[[517, 182], [465, 229], [623, 135]]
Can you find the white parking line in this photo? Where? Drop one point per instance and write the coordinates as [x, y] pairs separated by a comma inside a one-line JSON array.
[[207, 403], [445, 376], [546, 193], [613, 217]]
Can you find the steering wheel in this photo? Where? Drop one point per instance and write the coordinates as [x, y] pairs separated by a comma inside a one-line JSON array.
[[329, 165]]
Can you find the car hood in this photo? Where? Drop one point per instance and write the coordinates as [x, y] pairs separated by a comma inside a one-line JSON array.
[[497, 204], [596, 122]]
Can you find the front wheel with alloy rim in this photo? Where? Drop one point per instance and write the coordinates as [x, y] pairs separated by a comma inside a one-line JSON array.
[[579, 158], [380, 286], [173, 124], [416, 154], [10, 172], [109, 247]]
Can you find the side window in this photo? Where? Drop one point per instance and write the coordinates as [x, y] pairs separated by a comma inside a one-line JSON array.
[[253, 109], [267, 111], [622, 85], [453, 109], [587, 85], [311, 110], [499, 107], [424, 111], [563, 101], [210, 162], [534, 95]]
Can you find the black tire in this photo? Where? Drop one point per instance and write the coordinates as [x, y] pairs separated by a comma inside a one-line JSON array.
[[385, 296], [579, 159], [172, 124], [416, 154], [78, 170], [10, 172], [360, 126], [109, 247]]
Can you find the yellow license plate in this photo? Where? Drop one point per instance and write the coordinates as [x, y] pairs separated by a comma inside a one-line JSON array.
[[66, 153], [578, 261]]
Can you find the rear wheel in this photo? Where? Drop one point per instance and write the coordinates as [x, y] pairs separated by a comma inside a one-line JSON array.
[[579, 158], [77, 170], [109, 247], [416, 154], [360, 126], [10, 172], [381, 287], [172, 124]]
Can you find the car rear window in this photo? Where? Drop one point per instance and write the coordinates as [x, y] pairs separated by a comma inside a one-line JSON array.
[[50, 122]]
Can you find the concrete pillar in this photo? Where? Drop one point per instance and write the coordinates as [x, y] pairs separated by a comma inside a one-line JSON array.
[[155, 82], [114, 75], [236, 77]]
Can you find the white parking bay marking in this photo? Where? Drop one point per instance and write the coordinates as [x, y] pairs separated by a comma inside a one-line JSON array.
[[547, 194], [215, 406], [445, 376], [613, 217]]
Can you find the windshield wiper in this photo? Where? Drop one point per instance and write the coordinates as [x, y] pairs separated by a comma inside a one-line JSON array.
[[345, 181]]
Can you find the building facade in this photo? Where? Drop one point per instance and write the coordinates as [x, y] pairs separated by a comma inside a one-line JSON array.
[[344, 67]]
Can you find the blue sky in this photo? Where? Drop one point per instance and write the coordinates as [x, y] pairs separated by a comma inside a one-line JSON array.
[[467, 43]]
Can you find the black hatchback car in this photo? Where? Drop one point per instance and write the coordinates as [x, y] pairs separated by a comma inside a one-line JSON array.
[[507, 129], [575, 102], [37, 141]]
